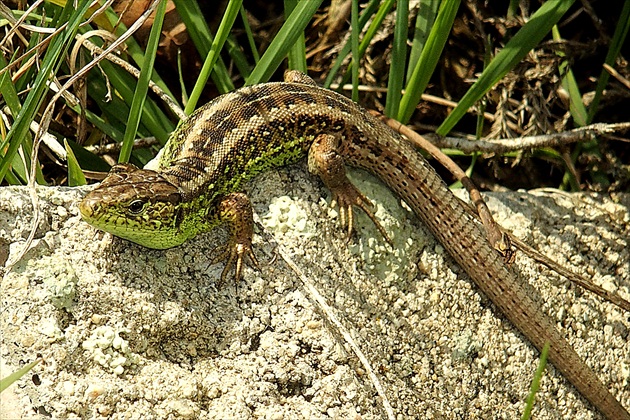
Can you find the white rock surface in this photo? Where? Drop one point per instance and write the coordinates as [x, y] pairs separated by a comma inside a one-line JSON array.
[[127, 332]]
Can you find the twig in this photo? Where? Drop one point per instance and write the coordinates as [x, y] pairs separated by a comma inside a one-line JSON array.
[[493, 232], [506, 239], [15, 23], [570, 275], [499, 146], [614, 73], [319, 300], [115, 147], [29, 52]]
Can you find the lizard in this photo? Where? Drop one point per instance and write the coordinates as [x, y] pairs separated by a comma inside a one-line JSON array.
[[196, 184]]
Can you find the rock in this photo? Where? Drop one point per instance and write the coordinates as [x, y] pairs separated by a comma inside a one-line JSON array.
[[262, 348]]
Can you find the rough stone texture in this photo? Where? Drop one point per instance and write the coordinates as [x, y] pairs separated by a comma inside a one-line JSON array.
[[127, 332]]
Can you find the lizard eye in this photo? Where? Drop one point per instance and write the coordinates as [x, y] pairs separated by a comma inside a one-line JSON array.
[[136, 206]]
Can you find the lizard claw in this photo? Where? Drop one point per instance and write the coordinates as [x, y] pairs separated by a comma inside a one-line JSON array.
[[234, 255], [325, 161], [347, 196], [236, 210]]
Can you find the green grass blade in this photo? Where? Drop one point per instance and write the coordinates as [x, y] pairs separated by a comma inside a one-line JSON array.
[[202, 38], [512, 9], [428, 60], [531, 398], [576, 106], [154, 121], [6, 382], [250, 36], [284, 39], [87, 160], [354, 42], [180, 77], [365, 42], [143, 83], [238, 57], [297, 53], [618, 39], [231, 12], [399, 59], [134, 50], [525, 39], [50, 64], [427, 12], [570, 182], [7, 89], [12, 179], [106, 125], [19, 168], [9, 93], [75, 174]]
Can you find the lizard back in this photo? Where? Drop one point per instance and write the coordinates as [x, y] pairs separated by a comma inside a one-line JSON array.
[[238, 135]]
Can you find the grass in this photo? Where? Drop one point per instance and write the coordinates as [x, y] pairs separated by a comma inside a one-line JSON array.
[[18, 374], [115, 105], [540, 370]]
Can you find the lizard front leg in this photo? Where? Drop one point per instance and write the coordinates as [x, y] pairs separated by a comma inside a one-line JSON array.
[[325, 160], [235, 210]]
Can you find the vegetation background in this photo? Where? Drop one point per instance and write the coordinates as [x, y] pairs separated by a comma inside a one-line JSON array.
[[470, 70]]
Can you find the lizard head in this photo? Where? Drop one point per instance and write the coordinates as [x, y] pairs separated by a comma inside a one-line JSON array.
[[139, 205]]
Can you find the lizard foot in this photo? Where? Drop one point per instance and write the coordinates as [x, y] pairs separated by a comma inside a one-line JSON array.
[[325, 160], [346, 195], [235, 210], [234, 255]]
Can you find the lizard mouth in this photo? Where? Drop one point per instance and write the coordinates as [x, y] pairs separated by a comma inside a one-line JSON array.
[[87, 208]]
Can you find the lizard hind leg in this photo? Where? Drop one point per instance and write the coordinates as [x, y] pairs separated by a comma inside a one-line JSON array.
[[325, 161], [296, 76], [235, 209]]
